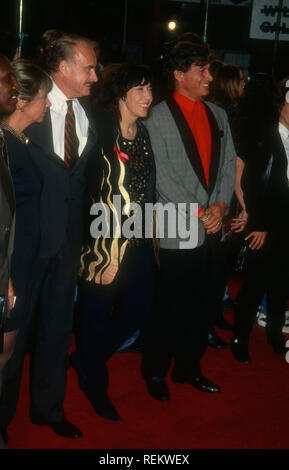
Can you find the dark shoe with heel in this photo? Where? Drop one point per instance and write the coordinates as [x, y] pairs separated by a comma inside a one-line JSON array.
[[105, 408], [240, 351], [158, 389], [279, 347], [215, 342], [101, 404]]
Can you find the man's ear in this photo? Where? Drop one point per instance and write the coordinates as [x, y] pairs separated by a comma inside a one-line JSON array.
[[64, 68], [20, 104], [178, 75]]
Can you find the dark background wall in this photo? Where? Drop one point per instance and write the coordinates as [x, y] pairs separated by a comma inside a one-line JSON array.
[[228, 27]]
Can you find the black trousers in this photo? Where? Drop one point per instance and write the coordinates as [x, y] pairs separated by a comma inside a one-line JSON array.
[[186, 300], [268, 272], [110, 314], [48, 324]]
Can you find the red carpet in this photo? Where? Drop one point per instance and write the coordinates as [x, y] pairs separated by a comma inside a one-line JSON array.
[[251, 412]]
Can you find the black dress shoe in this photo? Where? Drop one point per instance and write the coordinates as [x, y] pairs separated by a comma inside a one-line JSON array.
[[62, 428], [200, 382], [105, 408], [240, 351], [215, 342], [101, 404], [223, 324], [280, 349], [158, 389]]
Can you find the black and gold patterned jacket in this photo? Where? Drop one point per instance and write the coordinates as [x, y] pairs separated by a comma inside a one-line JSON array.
[[107, 177]]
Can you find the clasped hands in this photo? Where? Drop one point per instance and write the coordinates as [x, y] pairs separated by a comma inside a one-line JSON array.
[[212, 217]]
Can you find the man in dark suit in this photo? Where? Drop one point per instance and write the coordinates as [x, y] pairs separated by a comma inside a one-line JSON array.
[[8, 99], [195, 164], [61, 147]]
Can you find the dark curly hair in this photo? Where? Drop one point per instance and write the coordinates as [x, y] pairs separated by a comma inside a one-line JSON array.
[[184, 54], [116, 81]]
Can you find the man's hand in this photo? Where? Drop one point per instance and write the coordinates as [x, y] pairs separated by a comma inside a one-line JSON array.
[[215, 214], [10, 295], [257, 240]]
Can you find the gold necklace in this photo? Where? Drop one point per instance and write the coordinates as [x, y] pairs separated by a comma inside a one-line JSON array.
[[19, 135]]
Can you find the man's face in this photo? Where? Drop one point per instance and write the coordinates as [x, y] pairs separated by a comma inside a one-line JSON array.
[[8, 88], [195, 82], [80, 74]]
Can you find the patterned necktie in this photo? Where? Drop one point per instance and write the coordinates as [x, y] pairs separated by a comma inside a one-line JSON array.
[[71, 141]]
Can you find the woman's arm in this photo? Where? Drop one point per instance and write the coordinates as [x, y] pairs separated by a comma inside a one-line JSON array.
[[240, 165], [239, 222]]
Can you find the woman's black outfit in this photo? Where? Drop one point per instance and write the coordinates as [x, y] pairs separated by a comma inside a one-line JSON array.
[[266, 195], [27, 181], [117, 273]]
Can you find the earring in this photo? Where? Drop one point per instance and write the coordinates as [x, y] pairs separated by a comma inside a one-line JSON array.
[[20, 108]]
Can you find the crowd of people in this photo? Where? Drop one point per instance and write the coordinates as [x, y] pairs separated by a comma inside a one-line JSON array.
[[118, 216]]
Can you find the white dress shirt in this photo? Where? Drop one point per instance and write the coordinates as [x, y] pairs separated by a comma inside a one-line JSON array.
[[284, 134], [58, 110]]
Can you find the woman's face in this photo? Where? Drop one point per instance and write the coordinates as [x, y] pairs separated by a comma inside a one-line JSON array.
[[35, 109], [137, 101]]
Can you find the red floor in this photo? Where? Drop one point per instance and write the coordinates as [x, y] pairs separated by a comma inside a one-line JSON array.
[[251, 412]]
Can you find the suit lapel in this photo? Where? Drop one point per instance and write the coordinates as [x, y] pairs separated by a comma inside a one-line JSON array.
[[41, 135], [91, 141], [191, 146], [215, 148], [188, 140]]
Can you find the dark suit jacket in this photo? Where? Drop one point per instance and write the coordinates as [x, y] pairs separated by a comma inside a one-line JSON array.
[[61, 210], [267, 202], [7, 209]]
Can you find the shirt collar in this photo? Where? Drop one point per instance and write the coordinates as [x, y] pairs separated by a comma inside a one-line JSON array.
[[284, 132], [57, 98], [184, 102]]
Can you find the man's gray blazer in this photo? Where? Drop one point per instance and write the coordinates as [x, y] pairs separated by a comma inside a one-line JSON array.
[[179, 173]]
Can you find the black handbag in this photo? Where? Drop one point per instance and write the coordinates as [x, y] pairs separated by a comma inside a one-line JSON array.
[[243, 258]]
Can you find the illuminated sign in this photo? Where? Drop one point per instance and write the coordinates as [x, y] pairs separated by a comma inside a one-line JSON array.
[[264, 22]]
